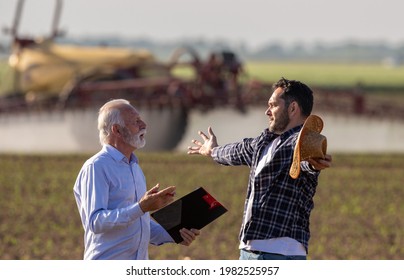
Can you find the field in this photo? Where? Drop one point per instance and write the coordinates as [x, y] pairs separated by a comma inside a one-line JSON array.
[[358, 206], [370, 75], [359, 209]]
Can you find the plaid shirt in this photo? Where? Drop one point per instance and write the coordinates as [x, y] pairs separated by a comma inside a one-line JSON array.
[[281, 205]]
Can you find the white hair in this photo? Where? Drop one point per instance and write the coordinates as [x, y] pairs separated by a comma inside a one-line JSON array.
[[108, 115]]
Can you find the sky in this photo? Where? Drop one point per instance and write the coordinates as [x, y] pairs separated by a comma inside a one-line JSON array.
[[253, 22]]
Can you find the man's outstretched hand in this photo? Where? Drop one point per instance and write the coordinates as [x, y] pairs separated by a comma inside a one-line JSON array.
[[205, 148]]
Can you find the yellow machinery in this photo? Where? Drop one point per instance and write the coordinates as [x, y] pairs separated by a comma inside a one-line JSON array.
[[46, 73], [46, 67]]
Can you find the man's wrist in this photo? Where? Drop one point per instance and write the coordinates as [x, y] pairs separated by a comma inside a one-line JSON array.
[[213, 152], [142, 206]]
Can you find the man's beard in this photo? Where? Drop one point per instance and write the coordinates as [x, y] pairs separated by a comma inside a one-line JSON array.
[[134, 139], [280, 124]]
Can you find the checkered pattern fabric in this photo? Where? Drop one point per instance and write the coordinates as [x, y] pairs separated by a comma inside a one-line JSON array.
[[281, 204]]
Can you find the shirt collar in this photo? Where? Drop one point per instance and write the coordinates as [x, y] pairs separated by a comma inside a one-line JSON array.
[[117, 155], [291, 131]]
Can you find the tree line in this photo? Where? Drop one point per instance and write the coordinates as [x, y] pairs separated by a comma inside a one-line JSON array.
[[344, 51]]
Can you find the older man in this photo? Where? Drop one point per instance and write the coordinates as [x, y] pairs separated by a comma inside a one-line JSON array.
[[111, 195]]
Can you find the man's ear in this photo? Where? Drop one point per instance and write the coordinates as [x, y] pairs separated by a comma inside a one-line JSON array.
[[294, 108], [116, 129]]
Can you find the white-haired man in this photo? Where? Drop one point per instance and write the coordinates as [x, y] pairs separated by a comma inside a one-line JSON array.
[[111, 195]]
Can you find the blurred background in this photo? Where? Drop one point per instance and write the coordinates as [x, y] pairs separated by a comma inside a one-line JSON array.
[[187, 65], [203, 59]]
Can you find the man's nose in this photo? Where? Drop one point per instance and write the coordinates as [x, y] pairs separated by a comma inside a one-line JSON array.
[[142, 125], [268, 112]]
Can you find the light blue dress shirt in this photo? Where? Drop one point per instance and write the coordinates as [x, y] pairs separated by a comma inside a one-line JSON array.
[[107, 191]]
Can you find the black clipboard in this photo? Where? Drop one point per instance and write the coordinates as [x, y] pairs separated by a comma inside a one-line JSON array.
[[194, 210]]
